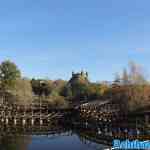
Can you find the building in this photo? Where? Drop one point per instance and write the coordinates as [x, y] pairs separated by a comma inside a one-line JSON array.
[[79, 77]]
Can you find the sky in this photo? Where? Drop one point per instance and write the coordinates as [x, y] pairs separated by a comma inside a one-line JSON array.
[[52, 38]]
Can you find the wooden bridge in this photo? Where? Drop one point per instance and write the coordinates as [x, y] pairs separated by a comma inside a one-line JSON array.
[[21, 114], [100, 111], [43, 113]]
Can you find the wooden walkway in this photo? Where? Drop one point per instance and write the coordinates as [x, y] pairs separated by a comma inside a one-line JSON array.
[[104, 111], [100, 111], [95, 110], [31, 114]]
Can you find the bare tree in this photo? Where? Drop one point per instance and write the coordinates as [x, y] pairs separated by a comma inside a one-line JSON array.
[[136, 74], [125, 77]]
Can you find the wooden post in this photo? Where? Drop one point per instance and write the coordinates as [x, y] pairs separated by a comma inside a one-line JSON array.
[[2, 120], [24, 117], [24, 121], [15, 121], [6, 121], [147, 119], [32, 121], [41, 121]]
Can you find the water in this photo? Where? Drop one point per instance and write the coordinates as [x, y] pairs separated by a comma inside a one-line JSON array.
[[60, 136], [71, 142], [63, 141]]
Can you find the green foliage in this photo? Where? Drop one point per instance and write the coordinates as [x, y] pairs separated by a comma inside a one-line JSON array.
[[78, 90], [9, 73], [58, 85], [130, 89], [97, 91], [22, 92], [66, 92], [41, 87], [56, 100]]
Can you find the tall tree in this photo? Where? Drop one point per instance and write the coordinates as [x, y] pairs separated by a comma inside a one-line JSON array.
[[9, 73], [117, 78], [136, 74], [22, 92], [125, 77], [41, 87]]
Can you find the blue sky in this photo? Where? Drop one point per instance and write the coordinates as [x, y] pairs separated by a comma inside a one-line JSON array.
[[50, 38]]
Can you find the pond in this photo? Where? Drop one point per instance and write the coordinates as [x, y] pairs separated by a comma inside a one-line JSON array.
[[60, 136]]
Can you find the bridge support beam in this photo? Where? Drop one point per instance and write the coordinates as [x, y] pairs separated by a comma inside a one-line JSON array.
[[2, 120], [23, 121], [32, 121], [7, 121], [41, 122], [15, 121]]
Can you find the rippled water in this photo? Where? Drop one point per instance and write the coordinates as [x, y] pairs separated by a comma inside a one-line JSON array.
[[71, 142], [81, 136], [63, 141]]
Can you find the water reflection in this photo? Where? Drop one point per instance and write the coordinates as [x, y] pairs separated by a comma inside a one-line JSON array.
[[12, 142], [60, 135]]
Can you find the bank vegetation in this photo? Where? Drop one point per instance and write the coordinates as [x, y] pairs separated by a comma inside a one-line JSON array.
[[130, 89]]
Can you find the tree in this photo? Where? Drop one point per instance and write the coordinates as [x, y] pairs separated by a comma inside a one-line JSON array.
[[136, 74], [80, 91], [117, 78], [97, 91], [22, 92], [66, 91], [134, 91], [9, 73], [58, 85], [55, 100], [125, 77], [41, 87]]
